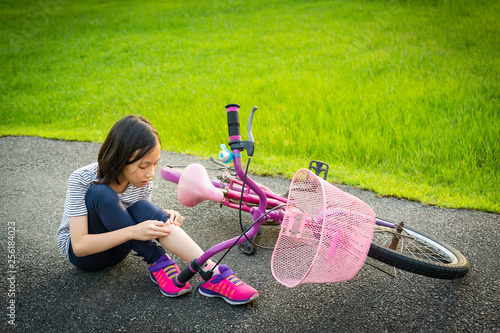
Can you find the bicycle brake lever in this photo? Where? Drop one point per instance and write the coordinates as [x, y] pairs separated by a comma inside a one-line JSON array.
[[195, 290], [249, 124]]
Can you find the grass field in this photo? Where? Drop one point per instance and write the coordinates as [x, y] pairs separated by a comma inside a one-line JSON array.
[[399, 97]]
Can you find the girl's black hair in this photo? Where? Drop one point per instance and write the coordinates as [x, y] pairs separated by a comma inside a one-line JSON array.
[[129, 140]]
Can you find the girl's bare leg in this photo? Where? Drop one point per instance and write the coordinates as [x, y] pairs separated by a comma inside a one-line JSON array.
[[180, 244]]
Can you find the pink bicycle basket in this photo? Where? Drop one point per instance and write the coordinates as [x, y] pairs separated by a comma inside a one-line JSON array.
[[325, 235]]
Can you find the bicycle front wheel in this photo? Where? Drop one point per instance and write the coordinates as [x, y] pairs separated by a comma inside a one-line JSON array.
[[413, 251]]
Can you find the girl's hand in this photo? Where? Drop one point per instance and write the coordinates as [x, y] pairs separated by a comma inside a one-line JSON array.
[[149, 230], [175, 218]]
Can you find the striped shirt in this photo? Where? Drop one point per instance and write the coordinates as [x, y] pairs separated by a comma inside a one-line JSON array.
[[78, 184]]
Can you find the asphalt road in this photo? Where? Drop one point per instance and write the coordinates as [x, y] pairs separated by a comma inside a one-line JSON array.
[[51, 295]]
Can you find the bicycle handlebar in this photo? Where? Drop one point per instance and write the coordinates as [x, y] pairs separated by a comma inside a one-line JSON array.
[[233, 126], [187, 273], [233, 122], [184, 276]]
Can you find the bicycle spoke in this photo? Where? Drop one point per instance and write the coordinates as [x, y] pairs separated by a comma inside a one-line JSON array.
[[409, 245]]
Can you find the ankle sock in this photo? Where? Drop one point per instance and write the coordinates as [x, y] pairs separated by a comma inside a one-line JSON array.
[[216, 269]]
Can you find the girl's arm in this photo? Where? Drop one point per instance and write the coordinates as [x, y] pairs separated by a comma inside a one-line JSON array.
[[85, 244]]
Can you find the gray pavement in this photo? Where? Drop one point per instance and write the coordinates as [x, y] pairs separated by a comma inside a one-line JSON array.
[[50, 295]]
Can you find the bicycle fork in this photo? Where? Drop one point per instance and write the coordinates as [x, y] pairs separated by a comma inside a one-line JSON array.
[[396, 236]]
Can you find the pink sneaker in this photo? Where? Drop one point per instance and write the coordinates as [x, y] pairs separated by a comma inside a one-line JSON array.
[[229, 287], [163, 273]]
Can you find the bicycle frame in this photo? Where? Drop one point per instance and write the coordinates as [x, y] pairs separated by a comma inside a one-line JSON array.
[[257, 200], [232, 191]]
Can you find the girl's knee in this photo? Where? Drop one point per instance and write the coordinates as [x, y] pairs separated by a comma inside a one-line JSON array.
[[101, 193], [142, 205], [144, 210]]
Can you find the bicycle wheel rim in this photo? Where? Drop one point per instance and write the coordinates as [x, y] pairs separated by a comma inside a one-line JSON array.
[[418, 253]]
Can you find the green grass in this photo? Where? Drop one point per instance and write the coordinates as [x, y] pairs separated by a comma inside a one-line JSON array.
[[399, 97]]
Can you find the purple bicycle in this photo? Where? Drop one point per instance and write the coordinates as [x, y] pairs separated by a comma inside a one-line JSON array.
[[326, 234]]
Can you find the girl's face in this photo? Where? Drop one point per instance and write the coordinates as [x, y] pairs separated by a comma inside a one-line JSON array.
[[141, 172]]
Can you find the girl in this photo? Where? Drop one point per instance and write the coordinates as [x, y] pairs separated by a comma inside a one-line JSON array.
[[108, 213]]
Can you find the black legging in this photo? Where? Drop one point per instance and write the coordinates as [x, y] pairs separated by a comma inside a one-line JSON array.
[[106, 213]]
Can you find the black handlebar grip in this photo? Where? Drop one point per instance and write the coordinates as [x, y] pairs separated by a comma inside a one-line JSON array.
[[184, 276], [233, 121]]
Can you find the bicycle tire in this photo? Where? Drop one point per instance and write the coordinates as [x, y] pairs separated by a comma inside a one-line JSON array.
[[420, 254]]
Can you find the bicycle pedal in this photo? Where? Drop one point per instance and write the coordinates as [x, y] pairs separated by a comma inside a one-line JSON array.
[[318, 167], [249, 247]]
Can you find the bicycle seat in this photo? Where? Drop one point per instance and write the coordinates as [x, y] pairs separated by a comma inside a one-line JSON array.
[[195, 186]]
